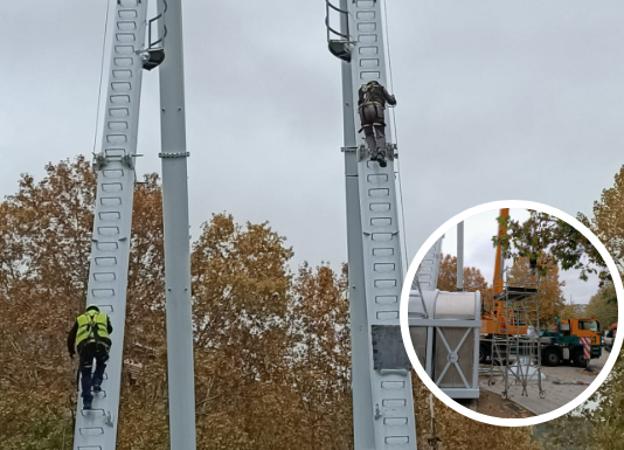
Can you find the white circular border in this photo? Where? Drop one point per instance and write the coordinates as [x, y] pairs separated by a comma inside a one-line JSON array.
[[407, 340]]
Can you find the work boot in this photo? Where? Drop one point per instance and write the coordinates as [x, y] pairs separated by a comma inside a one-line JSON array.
[[86, 403], [378, 156]]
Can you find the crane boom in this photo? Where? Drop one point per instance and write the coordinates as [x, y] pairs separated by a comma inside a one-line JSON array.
[[499, 319], [497, 283]]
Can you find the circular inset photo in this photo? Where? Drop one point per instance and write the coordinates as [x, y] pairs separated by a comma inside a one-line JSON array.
[[509, 313]]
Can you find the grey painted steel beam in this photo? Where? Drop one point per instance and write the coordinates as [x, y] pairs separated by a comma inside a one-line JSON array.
[[460, 256], [176, 232], [360, 350], [382, 399], [427, 274]]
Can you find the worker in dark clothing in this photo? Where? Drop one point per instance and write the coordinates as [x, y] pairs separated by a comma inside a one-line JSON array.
[[372, 103], [90, 337]]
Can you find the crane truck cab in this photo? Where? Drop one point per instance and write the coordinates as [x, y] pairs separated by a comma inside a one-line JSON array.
[[609, 336], [564, 344]]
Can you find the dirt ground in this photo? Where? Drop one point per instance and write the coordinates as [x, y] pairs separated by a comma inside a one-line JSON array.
[[493, 404], [560, 384]]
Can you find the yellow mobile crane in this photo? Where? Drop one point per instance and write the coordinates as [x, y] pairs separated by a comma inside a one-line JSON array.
[[497, 320], [562, 345]]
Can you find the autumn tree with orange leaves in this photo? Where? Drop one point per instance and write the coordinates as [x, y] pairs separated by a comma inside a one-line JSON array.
[[599, 426], [549, 294], [473, 280], [257, 377], [272, 350]]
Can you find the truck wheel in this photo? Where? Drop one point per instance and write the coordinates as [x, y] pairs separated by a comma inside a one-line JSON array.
[[580, 361], [550, 357], [484, 353]]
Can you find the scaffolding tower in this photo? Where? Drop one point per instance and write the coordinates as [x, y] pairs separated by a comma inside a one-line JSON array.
[[515, 352]]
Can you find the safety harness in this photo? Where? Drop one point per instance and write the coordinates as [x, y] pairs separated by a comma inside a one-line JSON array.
[[92, 327]]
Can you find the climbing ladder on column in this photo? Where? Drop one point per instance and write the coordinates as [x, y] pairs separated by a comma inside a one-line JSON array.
[[427, 273], [96, 429], [391, 388], [381, 376]]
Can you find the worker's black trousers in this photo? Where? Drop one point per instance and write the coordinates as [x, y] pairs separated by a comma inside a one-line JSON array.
[[89, 353], [372, 119]]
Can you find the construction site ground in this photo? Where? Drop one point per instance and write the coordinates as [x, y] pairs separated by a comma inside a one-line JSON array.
[[560, 384]]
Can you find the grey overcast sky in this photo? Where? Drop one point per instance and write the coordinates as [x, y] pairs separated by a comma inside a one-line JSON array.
[[480, 253], [496, 99]]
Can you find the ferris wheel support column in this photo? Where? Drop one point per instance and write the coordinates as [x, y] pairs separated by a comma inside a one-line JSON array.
[[383, 412], [363, 432], [460, 256], [176, 232]]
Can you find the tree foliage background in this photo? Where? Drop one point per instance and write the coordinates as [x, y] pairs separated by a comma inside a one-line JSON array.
[[272, 350], [599, 424], [258, 327], [549, 293], [603, 305], [438, 422]]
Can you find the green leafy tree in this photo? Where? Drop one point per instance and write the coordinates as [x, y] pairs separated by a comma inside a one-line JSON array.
[[608, 219], [601, 426], [603, 306], [544, 239]]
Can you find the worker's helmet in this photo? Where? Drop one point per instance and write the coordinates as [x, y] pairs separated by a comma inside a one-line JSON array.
[[94, 308]]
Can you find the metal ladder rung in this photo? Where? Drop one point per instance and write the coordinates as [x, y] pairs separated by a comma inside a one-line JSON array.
[[100, 394], [85, 412], [108, 308], [84, 430]]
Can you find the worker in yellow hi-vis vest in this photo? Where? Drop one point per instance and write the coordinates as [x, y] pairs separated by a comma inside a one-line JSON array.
[[90, 337]]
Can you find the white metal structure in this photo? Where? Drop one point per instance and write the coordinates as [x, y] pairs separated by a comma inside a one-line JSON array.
[[96, 429], [108, 270], [180, 376], [449, 323], [427, 274], [445, 326], [425, 281], [383, 410]]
